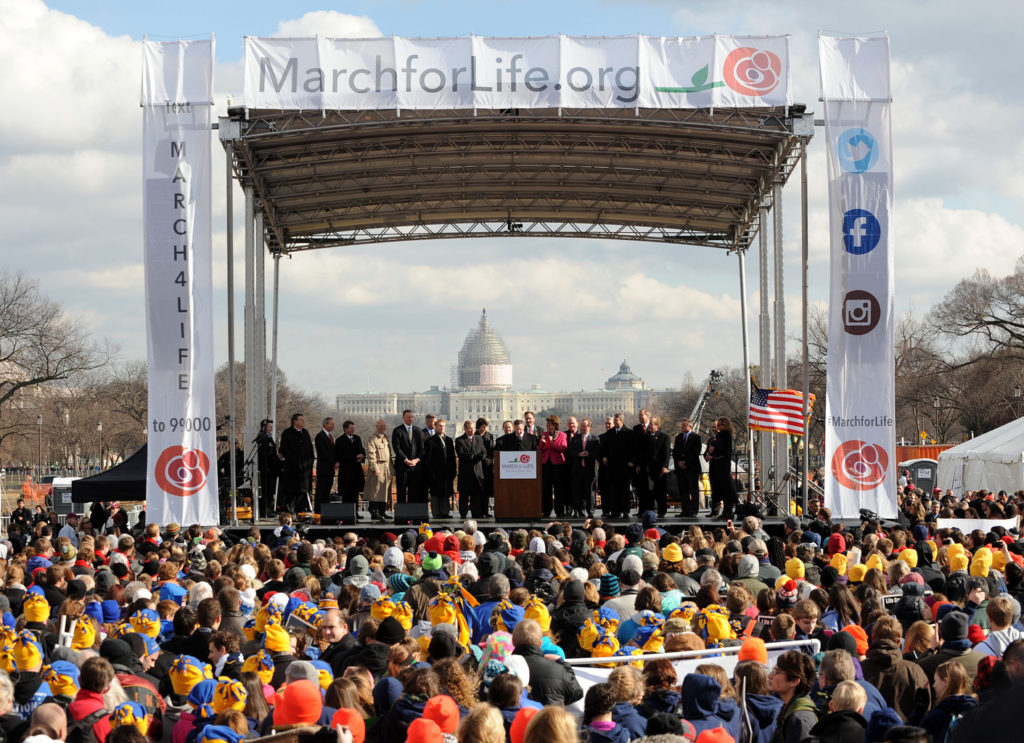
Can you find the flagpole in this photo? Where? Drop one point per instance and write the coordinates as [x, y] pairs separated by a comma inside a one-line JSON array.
[[805, 464]]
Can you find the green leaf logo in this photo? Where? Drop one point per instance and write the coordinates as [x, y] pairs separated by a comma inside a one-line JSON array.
[[699, 77]]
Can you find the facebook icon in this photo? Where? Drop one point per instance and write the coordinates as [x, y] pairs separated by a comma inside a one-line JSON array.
[[861, 231]]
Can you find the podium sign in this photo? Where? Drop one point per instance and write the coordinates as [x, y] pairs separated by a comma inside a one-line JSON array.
[[517, 486], [517, 465]]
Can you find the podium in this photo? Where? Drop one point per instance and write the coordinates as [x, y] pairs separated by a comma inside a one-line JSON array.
[[517, 486]]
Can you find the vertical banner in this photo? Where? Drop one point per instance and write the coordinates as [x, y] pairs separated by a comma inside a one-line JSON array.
[[177, 90], [860, 404]]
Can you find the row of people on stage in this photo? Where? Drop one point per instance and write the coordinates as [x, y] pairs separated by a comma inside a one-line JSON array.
[[428, 465]]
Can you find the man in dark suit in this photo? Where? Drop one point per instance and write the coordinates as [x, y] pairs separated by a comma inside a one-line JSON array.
[[659, 456], [617, 455], [583, 451], [441, 463], [641, 440], [471, 452], [351, 454], [407, 443], [268, 464], [326, 463], [296, 450], [518, 440], [686, 455], [488, 438], [530, 429]]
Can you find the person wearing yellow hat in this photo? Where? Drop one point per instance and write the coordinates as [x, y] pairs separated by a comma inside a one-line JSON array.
[[958, 563], [229, 694], [857, 572], [909, 556], [37, 611], [839, 562], [795, 568], [875, 562]]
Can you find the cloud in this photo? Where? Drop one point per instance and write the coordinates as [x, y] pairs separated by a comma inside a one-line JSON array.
[[329, 23]]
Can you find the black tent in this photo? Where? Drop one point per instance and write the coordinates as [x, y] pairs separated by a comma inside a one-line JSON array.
[[126, 481]]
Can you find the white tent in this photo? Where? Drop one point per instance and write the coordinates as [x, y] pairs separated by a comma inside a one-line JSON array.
[[994, 461]]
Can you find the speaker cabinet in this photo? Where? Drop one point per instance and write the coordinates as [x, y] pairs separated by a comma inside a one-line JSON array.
[[411, 513], [338, 513]]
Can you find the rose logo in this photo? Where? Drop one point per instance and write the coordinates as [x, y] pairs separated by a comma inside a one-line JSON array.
[[182, 471], [524, 458], [752, 71], [858, 465]]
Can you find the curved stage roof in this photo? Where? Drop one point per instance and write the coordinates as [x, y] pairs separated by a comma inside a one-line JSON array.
[[680, 176]]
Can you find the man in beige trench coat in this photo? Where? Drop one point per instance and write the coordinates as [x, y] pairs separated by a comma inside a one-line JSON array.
[[379, 471]]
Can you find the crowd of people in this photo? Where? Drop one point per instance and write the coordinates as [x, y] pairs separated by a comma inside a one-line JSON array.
[[433, 464], [118, 632]]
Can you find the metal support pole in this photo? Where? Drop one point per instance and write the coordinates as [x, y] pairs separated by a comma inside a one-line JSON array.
[[230, 241], [781, 439], [261, 318], [804, 257], [741, 255], [273, 337], [764, 329], [251, 363]]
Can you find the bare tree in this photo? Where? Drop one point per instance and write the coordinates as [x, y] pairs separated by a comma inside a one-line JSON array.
[[39, 345]]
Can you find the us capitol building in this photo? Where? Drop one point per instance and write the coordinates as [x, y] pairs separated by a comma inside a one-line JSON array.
[[481, 386]]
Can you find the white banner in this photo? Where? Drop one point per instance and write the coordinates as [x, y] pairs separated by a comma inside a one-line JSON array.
[[968, 525], [496, 73], [860, 407], [177, 90], [517, 465]]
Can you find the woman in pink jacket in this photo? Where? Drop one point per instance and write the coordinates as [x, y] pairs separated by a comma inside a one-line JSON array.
[[554, 472]]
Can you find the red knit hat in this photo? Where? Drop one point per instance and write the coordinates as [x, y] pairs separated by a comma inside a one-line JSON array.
[[444, 711], [353, 721], [424, 731], [715, 735], [975, 634], [518, 730], [299, 704]]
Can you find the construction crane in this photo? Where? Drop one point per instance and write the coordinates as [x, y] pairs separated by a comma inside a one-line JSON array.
[[709, 389]]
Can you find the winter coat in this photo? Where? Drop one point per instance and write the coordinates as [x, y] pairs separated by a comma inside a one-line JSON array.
[[627, 716], [617, 734], [912, 608], [551, 682], [968, 658], [393, 725], [700, 702], [998, 640], [902, 684], [840, 727], [660, 700], [762, 714], [566, 621], [729, 711], [937, 721], [795, 721]]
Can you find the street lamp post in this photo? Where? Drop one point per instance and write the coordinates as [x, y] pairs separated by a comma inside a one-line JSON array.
[[39, 445], [99, 429], [1016, 400]]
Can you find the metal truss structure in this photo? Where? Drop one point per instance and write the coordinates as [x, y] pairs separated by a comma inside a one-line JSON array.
[[698, 176]]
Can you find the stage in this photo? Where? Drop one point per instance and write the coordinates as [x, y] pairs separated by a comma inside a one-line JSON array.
[[674, 524]]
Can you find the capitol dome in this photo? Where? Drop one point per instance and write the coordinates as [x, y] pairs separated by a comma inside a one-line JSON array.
[[624, 380], [484, 362]]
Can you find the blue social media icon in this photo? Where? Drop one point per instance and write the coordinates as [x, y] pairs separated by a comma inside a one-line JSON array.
[[861, 231], [857, 150]]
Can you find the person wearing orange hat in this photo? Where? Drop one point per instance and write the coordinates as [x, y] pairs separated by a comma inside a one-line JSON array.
[[424, 731], [517, 731], [443, 710], [753, 648], [860, 636], [299, 704], [350, 720]]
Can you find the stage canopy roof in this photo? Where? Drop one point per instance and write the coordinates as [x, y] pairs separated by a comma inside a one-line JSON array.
[[335, 178]]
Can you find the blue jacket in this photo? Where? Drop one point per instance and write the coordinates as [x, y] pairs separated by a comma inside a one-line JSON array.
[[628, 717], [937, 720], [763, 715], [617, 734], [701, 702], [729, 711]]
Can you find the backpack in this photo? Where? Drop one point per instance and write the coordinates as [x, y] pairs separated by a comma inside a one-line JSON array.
[[954, 720], [81, 731]]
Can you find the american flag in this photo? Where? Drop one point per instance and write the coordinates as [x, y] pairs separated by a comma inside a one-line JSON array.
[[779, 411]]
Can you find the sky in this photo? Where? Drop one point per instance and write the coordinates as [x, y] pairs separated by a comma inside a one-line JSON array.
[[392, 318]]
